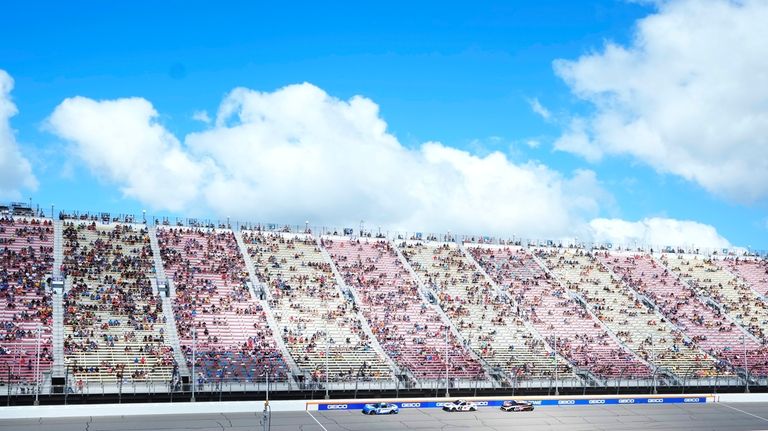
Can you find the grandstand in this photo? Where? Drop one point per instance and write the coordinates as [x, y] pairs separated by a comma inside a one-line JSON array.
[[319, 325], [636, 325], [222, 327], [552, 310], [412, 332], [95, 304], [26, 259], [113, 318], [481, 313]]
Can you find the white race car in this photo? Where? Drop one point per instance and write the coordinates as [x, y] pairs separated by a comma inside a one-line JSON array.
[[460, 406], [381, 409]]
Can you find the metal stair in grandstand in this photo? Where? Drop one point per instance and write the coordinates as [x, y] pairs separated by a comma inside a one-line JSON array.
[[153, 283], [58, 247], [258, 289], [589, 310], [58, 368], [493, 376], [156, 256], [172, 336], [511, 300], [342, 285]]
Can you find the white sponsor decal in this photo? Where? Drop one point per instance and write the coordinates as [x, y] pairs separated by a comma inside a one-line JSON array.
[[597, 401], [626, 401], [566, 401], [692, 400], [406, 405], [655, 400], [337, 406]]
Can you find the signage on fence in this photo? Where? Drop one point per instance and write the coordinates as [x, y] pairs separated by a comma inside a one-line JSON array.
[[537, 402]]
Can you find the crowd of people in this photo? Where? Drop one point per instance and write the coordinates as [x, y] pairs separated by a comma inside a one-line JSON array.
[[217, 318], [410, 332], [636, 324], [26, 262], [614, 314], [558, 318], [705, 327], [485, 317], [114, 322], [313, 315], [733, 294], [753, 271]]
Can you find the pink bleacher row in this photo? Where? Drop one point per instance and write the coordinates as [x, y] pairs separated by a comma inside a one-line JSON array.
[[677, 301], [580, 338], [409, 330], [233, 339], [26, 259], [755, 272]]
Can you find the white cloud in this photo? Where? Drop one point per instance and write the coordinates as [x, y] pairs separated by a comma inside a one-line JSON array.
[[533, 143], [539, 109], [656, 232], [201, 116], [121, 141], [299, 154], [687, 96], [576, 140], [15, 170]]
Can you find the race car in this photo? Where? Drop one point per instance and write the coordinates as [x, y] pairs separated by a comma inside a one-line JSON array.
[[381, 409], [517, 406], [460, 406]]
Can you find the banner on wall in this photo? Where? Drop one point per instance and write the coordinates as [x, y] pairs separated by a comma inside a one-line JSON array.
[[415, 404]]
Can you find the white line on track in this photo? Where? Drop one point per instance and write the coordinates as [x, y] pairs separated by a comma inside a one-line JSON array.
[[321, 425], [742, 411]]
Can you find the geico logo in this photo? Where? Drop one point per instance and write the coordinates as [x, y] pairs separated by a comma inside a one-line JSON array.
[[410, 405], [626, 401], [566, 401], [655, 400], [337, 406], [439, 404], [691, 400], [597, 401], [482, 403]]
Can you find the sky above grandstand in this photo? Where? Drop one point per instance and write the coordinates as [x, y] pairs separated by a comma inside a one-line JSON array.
[[633, 122]]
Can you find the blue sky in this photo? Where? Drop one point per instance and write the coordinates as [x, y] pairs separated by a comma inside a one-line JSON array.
[[464, 75]]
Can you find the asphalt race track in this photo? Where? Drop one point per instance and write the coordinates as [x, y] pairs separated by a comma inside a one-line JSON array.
[[718, 416]]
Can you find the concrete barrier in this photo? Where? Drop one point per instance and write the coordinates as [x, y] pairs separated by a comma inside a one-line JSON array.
[[80, 410], [742, 398]]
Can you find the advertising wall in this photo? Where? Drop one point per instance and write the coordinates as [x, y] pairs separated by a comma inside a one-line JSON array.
[[496, 402]]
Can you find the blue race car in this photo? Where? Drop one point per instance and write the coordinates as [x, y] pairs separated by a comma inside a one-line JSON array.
[[381, 409]]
